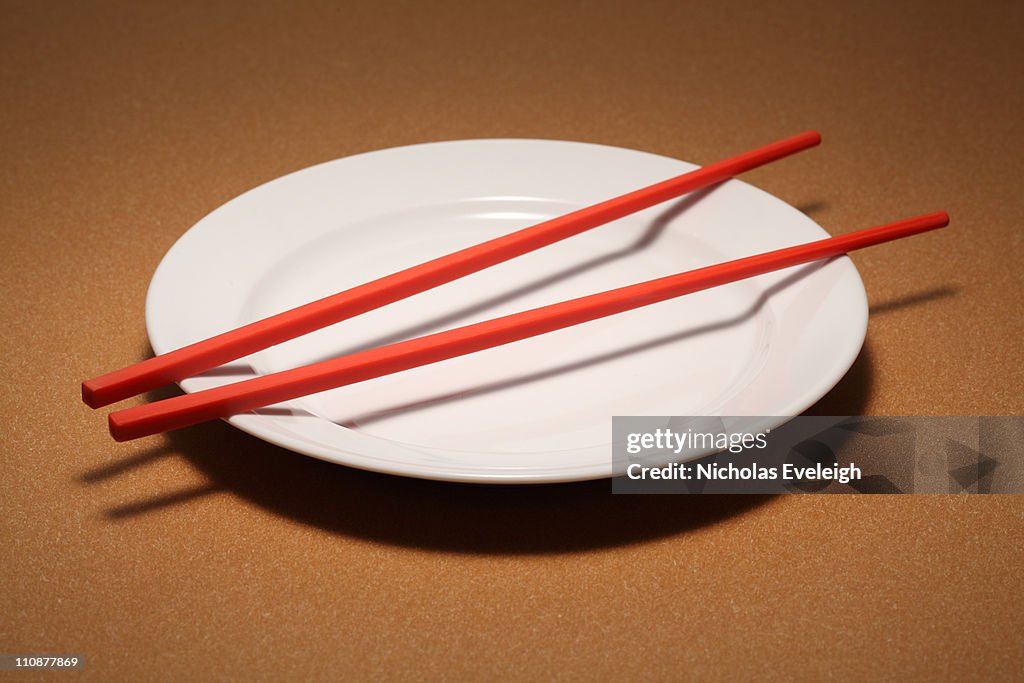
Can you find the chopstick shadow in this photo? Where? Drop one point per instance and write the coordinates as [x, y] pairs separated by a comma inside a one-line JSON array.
[[914, 298], [647, 238], [162, 501], [99, 474], [811, 208], [756, 306]]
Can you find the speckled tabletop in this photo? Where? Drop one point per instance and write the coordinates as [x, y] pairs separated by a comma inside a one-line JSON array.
[[209, 554]]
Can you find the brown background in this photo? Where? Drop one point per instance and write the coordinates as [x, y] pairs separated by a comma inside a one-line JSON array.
[[211, 554]]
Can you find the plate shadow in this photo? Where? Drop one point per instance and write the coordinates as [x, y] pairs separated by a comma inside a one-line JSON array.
[[438, 516]]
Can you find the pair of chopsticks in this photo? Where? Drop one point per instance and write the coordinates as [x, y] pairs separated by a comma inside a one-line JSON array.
[[261, 391]]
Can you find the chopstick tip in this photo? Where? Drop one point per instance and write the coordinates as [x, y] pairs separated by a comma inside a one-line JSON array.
[[935, 219]]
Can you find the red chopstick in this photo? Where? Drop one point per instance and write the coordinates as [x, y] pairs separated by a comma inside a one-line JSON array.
[[230, 399], [210, 353]]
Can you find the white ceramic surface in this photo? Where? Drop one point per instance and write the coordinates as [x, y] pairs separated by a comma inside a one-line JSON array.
[[538, 410]]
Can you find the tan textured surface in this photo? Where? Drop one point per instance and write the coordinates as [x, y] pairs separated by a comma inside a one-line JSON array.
[[210, 554]]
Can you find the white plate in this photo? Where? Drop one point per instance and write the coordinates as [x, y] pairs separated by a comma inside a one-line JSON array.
[[538, 410]]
